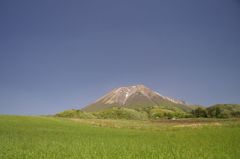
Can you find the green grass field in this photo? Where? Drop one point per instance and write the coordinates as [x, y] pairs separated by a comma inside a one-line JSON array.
[[56, 138]]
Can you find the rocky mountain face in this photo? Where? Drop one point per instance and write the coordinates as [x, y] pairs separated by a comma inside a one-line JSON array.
[[138, 96]]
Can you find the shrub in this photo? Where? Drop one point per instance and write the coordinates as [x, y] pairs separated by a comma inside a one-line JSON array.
[[122, 113], [157, 112], [76, 114], [199, 112]]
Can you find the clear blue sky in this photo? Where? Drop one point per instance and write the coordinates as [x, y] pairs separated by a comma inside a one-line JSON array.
[[57, 55]]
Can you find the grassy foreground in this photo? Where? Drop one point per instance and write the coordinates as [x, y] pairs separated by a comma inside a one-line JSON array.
[[55, 138]]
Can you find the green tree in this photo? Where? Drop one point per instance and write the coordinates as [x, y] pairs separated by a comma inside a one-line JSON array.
[[199, 112]]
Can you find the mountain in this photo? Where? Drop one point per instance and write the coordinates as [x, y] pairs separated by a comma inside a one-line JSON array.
[[137, 96]]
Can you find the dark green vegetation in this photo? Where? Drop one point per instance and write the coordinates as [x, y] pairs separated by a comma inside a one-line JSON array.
[[57, 138], [127, 113], [156, 112], [224, 110], [218, 111]]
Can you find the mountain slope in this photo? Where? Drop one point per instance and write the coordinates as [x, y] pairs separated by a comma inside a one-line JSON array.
[[138, 96]]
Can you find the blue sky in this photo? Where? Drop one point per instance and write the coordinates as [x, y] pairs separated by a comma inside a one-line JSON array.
[[57, 55]]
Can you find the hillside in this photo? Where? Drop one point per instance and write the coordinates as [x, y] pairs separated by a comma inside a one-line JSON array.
[[224, 110], [135, 97]]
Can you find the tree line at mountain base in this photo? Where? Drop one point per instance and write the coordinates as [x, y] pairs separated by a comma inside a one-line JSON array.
[[156, 112]]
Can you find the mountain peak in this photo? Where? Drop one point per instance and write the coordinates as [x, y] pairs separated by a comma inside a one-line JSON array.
[[138, 86], [132, 88]]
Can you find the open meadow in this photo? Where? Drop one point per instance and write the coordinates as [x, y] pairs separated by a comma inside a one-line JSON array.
[[26, 137]]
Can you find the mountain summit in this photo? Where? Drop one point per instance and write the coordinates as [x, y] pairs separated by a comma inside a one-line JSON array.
[[137, 96]]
